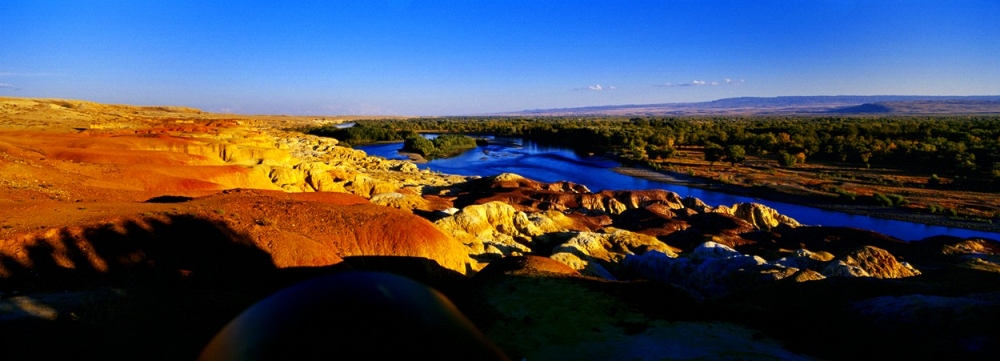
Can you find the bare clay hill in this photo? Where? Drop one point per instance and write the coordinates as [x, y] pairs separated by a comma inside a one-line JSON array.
[[140, 232]]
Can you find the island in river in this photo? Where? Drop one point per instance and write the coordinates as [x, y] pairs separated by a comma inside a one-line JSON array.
[[441, 146]]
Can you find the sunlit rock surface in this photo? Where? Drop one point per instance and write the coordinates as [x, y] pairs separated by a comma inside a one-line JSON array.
[[869, 261]]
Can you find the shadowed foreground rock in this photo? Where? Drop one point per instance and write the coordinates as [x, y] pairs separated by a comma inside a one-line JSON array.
[[353, 316]]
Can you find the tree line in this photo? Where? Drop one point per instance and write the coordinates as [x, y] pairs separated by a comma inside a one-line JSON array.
[[966, 148]]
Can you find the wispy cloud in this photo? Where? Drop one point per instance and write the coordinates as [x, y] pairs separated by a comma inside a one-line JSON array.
[[692, 83], [357, 109], [726, 81], [598, 87], [5, 85], [15, 74]]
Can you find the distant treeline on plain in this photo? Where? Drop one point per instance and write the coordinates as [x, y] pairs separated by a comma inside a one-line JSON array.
[[966, 148]]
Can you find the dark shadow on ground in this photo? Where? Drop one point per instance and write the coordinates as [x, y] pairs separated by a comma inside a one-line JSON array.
[[150, 289]]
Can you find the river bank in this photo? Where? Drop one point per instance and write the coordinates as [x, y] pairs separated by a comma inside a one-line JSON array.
[[806, 197], [809, 205]]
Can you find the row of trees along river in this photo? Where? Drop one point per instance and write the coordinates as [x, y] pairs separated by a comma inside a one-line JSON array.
[[964, 148]]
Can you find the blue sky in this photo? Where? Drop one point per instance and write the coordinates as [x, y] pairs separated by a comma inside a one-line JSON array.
[[470, 57]]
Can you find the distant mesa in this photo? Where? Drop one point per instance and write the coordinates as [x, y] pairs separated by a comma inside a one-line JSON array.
[[868, 108], [793, 105]]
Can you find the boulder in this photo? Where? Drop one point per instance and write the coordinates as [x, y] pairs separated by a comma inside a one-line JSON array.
[[711, 268], [406, 200], [367, 186], [617, 202], [696, 204], [321, 181], [512, 181], [587, 267], [594, 253], [759, 215], [805, 259], [494, 225], [656, 220], [868, 261], [309, 319], [805, 275], [288, 178], [532, 196]]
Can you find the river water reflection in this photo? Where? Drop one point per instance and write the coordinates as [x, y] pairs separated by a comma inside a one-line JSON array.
[[552, 164]]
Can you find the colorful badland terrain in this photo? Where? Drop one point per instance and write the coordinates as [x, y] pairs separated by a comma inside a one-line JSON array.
[[139, 232]]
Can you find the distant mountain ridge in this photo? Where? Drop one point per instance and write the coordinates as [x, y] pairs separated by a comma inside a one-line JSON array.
[[795, 105]]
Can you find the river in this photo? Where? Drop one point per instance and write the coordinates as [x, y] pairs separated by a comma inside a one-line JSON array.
[[552, 164]]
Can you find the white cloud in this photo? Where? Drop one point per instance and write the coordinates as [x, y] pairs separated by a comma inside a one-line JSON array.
[[5, 85], [597, 87], [727, 81]]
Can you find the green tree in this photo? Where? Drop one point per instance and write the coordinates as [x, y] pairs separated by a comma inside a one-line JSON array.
[[420, 145], [713, 152], [451, 144], [735, 154], [787, 160]]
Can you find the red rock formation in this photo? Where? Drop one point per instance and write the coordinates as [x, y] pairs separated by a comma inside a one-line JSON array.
[[226, 234]]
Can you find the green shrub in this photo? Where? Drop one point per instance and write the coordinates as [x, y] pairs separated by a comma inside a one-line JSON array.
[[787, 160], [359, 134], [444, 145], [934, 180], [897, 200], [420, 145], [841, 193], [882, 200], [450, 144]]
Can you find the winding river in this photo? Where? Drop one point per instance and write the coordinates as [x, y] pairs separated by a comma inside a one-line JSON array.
[[552, 164]]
